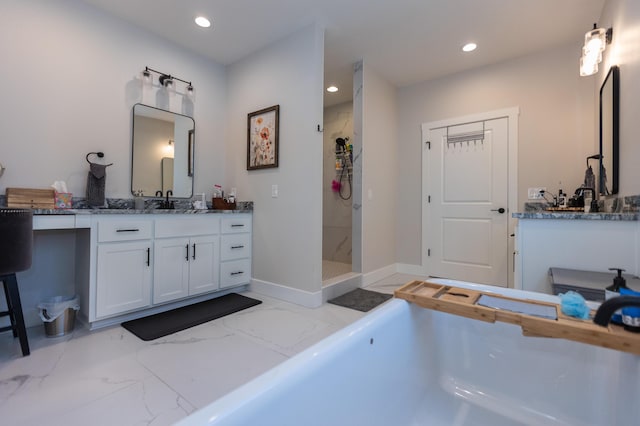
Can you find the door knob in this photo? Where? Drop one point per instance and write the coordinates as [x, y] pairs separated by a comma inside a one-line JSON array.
[[500, 210]]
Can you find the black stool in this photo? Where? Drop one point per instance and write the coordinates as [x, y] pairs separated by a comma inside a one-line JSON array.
[[16, 240]]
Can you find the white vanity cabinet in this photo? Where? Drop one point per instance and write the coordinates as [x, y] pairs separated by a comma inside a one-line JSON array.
[[123, 265], [139, 264], [235, 255], [186, 257]]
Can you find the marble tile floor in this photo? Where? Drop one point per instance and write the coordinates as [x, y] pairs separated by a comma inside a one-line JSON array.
[[110, 377]]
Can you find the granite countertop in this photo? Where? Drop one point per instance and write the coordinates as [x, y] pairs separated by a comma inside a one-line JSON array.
[[134, 211], [125, 206], [577, 216]]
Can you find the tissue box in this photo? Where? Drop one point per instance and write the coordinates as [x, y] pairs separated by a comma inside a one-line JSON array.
[[63, 200]]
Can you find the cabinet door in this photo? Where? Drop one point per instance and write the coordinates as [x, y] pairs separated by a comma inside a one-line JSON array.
[[123, 277], [203, 272], [171, 269]]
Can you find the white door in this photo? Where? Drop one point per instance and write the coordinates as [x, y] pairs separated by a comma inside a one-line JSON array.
[[465, 172]]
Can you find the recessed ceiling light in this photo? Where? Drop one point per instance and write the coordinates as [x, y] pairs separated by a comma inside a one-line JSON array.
[[332, 89], [469, 47], [203, 22]]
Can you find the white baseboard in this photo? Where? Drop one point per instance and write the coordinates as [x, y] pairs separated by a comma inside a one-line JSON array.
[[379, 274], [315, 299], [341, 287], [406, 268], [288, 294]]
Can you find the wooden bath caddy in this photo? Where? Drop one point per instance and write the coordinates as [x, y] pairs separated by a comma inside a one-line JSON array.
[[464, 302]]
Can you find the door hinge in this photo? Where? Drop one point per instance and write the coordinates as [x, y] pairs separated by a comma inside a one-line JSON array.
[[428, 252], [428, 198], [428, 145]]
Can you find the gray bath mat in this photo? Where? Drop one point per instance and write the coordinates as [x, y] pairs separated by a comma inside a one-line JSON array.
[[361, 300]]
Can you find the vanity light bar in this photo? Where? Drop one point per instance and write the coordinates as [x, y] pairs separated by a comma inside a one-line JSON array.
[[165, 79]]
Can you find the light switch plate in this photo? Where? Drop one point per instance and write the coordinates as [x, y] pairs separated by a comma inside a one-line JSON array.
[[274, 191]]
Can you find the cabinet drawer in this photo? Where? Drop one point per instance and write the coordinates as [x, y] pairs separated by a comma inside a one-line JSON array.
[[118, 229], [188, 225], [236, 223], [235, 272], [235, 246]]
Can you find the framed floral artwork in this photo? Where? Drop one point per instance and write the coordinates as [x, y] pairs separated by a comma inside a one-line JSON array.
[[262, 138]]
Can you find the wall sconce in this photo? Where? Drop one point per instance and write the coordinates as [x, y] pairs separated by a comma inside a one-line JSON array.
[[167, 81], [595, 41]]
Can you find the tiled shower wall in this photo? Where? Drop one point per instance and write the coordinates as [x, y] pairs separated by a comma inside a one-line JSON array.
[[336, 213]]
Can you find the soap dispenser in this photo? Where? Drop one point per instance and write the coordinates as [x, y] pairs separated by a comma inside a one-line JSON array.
[[614, 291]]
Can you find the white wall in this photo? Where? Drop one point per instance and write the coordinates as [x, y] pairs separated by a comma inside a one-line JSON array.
[[287, 230], [624, 17], [379, 171], [68, 85], [336, 211], [557, 126]]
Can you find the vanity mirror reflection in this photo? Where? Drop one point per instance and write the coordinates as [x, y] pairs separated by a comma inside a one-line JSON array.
[[162, 149], [609, 136]]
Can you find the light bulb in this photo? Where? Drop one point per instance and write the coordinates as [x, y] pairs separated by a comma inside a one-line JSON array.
[[203, 22], [191, 92], [587, 67], [147, 78], [469, 47]]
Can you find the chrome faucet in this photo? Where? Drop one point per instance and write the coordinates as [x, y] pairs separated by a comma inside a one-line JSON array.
[[608, 307]]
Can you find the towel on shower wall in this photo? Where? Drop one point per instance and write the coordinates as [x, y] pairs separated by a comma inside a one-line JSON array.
[[96, 180]]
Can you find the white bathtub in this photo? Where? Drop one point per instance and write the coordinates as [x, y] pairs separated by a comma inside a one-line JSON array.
[[404, 365]]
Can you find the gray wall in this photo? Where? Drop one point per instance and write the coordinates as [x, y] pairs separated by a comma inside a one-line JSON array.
[[379, 171], [557, 126], [70, 82], [624, 51], [287, 230]]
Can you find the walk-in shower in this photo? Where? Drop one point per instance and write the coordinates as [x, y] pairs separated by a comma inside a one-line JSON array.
[[337, 191]]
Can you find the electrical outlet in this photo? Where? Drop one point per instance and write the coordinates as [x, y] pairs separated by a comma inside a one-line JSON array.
[[534, 193]]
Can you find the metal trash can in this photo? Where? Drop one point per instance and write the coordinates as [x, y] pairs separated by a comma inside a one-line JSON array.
[[59, 315]]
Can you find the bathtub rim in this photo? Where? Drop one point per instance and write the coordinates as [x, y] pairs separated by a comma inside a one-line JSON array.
[[246, 393]]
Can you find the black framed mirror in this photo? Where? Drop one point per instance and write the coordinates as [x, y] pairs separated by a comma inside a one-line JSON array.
[[609, 132], [162, 153]]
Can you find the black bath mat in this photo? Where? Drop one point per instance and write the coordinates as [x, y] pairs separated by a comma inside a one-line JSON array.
[[361, 300], [165, 323]]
